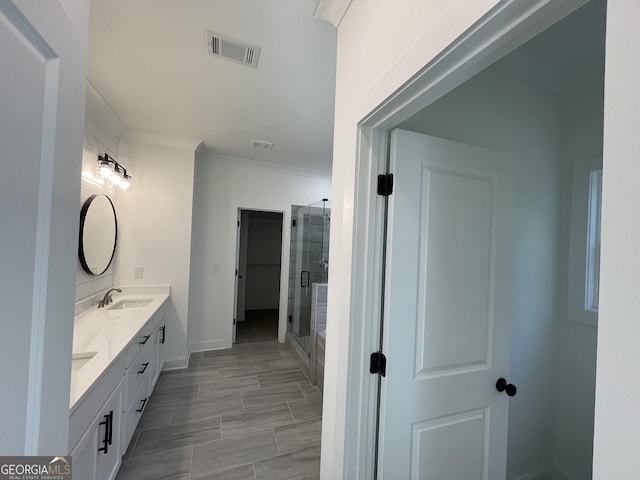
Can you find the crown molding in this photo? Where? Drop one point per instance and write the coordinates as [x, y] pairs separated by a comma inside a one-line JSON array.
[[239, 162], [157, 139], [332, 11]]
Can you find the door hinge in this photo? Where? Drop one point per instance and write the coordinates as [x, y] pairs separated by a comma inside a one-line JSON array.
[[234, 321], [378, 363], [293, 222], [290, 318], [385, 184], [238, 222], [236, 272]]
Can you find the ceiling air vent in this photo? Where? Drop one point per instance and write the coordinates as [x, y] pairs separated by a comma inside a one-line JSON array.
[[261, 144], [234, 50]]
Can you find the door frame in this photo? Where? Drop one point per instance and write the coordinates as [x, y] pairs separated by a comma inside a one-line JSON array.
[[236, 283], [234, 238], [503, 29]]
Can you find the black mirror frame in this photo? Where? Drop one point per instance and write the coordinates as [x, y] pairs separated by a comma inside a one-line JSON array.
[[83, 214]]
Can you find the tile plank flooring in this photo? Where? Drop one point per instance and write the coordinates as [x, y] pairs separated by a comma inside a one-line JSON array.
[[246, 413]]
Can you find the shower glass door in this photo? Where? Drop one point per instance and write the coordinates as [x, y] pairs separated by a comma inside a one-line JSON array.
[[309, 264]]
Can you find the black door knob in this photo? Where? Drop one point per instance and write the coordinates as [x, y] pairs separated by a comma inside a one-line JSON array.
[[508, 388]]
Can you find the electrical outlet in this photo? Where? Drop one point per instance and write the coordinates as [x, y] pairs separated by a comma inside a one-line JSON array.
[[138, 273], [215, 268]]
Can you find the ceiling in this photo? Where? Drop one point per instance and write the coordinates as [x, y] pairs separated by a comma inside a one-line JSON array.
[[565, 58], [148, 59]]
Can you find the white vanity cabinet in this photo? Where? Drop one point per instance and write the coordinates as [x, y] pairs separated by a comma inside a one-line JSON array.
[[142, 372], [103, 419], [94, 428]]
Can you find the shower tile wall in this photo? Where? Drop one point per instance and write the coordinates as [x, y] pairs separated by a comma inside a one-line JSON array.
[[318, 329], [321, 308], [316, 245]]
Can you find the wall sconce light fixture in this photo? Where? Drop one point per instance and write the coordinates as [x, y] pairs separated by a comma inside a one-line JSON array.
[[112, 171]]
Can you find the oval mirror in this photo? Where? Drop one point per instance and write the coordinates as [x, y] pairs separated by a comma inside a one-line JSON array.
[[98, 234]]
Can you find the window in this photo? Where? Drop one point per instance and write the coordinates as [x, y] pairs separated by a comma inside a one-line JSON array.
[[592, 293], [584, 242]]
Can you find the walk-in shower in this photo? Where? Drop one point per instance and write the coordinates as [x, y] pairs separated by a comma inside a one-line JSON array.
[[308, 275]]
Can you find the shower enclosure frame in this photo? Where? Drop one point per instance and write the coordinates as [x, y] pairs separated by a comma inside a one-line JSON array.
[[309, 262]]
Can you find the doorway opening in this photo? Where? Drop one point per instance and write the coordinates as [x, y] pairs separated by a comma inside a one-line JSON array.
[[258, 271], [541, 104]]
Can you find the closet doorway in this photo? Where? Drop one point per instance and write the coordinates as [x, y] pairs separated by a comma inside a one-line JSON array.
[[258, 269]]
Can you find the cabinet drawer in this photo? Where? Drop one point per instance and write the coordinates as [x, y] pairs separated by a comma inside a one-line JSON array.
[[134, 411], [139, 371], [141, 340]]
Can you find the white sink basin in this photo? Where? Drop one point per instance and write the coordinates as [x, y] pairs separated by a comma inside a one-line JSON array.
[[79, 360], [128, 304]]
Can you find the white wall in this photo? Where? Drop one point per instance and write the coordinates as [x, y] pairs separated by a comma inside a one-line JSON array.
[[617, 422], [496, 111], [155, 225], [363, 85], [222, 186], [43, 54], [415, 31]]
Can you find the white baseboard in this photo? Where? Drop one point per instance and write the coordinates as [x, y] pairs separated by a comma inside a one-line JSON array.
[[557, 472], [560, 472], [175, 363], [216, 344], [540, 473]]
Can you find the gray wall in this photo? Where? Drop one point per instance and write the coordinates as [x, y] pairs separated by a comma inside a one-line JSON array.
[[576, 356]]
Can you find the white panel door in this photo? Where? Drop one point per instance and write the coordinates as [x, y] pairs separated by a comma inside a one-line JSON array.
[[447, 313]]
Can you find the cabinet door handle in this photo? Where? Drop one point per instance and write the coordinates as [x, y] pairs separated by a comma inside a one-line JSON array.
[[146, 337], [144, 402], [110, 436], [108, 433], [144, 367], [163, 333]]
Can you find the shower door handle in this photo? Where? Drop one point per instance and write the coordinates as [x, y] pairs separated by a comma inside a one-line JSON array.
[[304, 283]]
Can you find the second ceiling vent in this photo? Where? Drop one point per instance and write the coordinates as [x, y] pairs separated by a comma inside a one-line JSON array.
[[234, 50]]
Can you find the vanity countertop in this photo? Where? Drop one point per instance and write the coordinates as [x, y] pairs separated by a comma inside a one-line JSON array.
[[100, 335]]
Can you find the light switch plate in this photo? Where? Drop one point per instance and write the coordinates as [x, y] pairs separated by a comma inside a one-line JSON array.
[[215, 268], [138, 273]]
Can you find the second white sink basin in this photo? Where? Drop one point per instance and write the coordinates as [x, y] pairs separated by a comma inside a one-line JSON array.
[[79, 360], [128, 304]]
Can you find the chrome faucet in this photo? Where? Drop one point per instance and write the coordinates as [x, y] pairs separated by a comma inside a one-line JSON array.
[[106, 300]]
